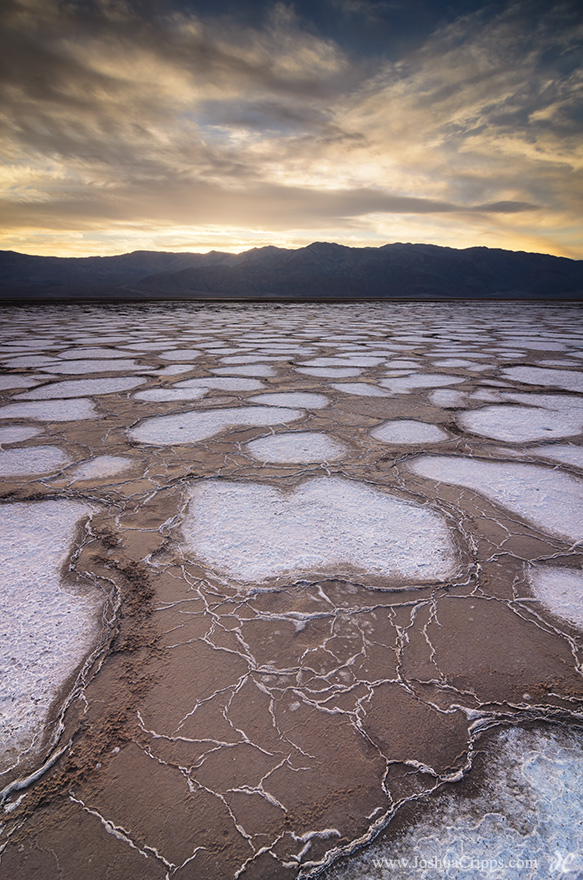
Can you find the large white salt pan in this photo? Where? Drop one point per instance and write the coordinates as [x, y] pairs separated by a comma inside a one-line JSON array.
[[405, 384], [546, 497], [190, 427], [570, 380], [409, 431], [259, 370], [560, 590], [180, 354], [32, 460], [81, 387], [102, 466], [525, 824], [8, 382], [47, 630], [448, 399], [253, 532], [330, 372], [73, 368], [303, 446], [222, 383], [170, 394], [17, 434], [564, 454], [291, 398], [519, 424], [51, 410], [362, 389]]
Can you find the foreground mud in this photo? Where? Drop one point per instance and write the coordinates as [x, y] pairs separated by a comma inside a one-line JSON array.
[[321, 553]]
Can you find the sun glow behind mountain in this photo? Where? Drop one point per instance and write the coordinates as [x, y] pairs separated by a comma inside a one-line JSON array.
[[197, 126]]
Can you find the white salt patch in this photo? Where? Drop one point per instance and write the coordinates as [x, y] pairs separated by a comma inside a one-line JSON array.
[[299, 447], [47, 630], [222, 384], [460, 362], [539, 345], [80, 353], [291, 398], [409, 431], [189, 427], [51, 410], [80, 387], [405, 384], [360, 388], [549, 499], [248, 358], [565, 454], [570, 380], [180, 354], [560, 590], [94, 366], [260, 370], [525, 824], [32, 460], [9, 382], [329, 372], [448, 399], [160, 345], [252, 532], [349, 361], [102, 466], [17, 434], [517, 424], [174, 370], [403, 363], [28, 362], [163, 395]]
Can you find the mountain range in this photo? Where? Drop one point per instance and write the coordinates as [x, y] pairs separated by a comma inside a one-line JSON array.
[[320, 271]]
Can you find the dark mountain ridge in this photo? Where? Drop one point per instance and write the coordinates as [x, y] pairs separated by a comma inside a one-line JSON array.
[[319, 271]]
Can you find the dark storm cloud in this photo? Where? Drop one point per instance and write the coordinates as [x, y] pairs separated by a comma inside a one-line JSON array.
[[267, 115]]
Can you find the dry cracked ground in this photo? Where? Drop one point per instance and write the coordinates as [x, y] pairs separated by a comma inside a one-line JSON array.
[[278, 581]]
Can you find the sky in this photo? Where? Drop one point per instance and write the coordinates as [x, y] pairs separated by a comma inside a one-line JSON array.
[[223, 125]]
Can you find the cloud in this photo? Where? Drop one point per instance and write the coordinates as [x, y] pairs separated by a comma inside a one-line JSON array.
[[113, 115]]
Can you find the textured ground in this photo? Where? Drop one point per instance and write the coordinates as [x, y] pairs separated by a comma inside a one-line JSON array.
[[275, 573]]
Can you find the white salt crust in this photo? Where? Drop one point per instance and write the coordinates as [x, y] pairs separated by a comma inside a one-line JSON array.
[[362, 389], [301, 447], [570, 380], [525, 823], [102, 466], [409, 431], [18, 433], [32, 460], [291, 398], [7, 383], [160, 345], [92, 353], [174, 370], [81, 387], [405, 384], [347, 361], [257, 370], [448, 399], [190, 427], [163, 395], [51, 410], [180, 354], [252, 532], [248, 358], [560, 590], [221, 383], [329, 372], [47, 629], [546, 497], [519, 424], [564, 454], [73, 368]]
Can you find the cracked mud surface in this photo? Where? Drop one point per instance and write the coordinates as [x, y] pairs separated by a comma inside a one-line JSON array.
[[295, 645]]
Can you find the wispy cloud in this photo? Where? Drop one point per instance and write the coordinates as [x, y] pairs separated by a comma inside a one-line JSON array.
[[116, 125]]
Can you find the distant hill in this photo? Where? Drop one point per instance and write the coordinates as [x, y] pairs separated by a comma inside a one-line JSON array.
[[320, 271]]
